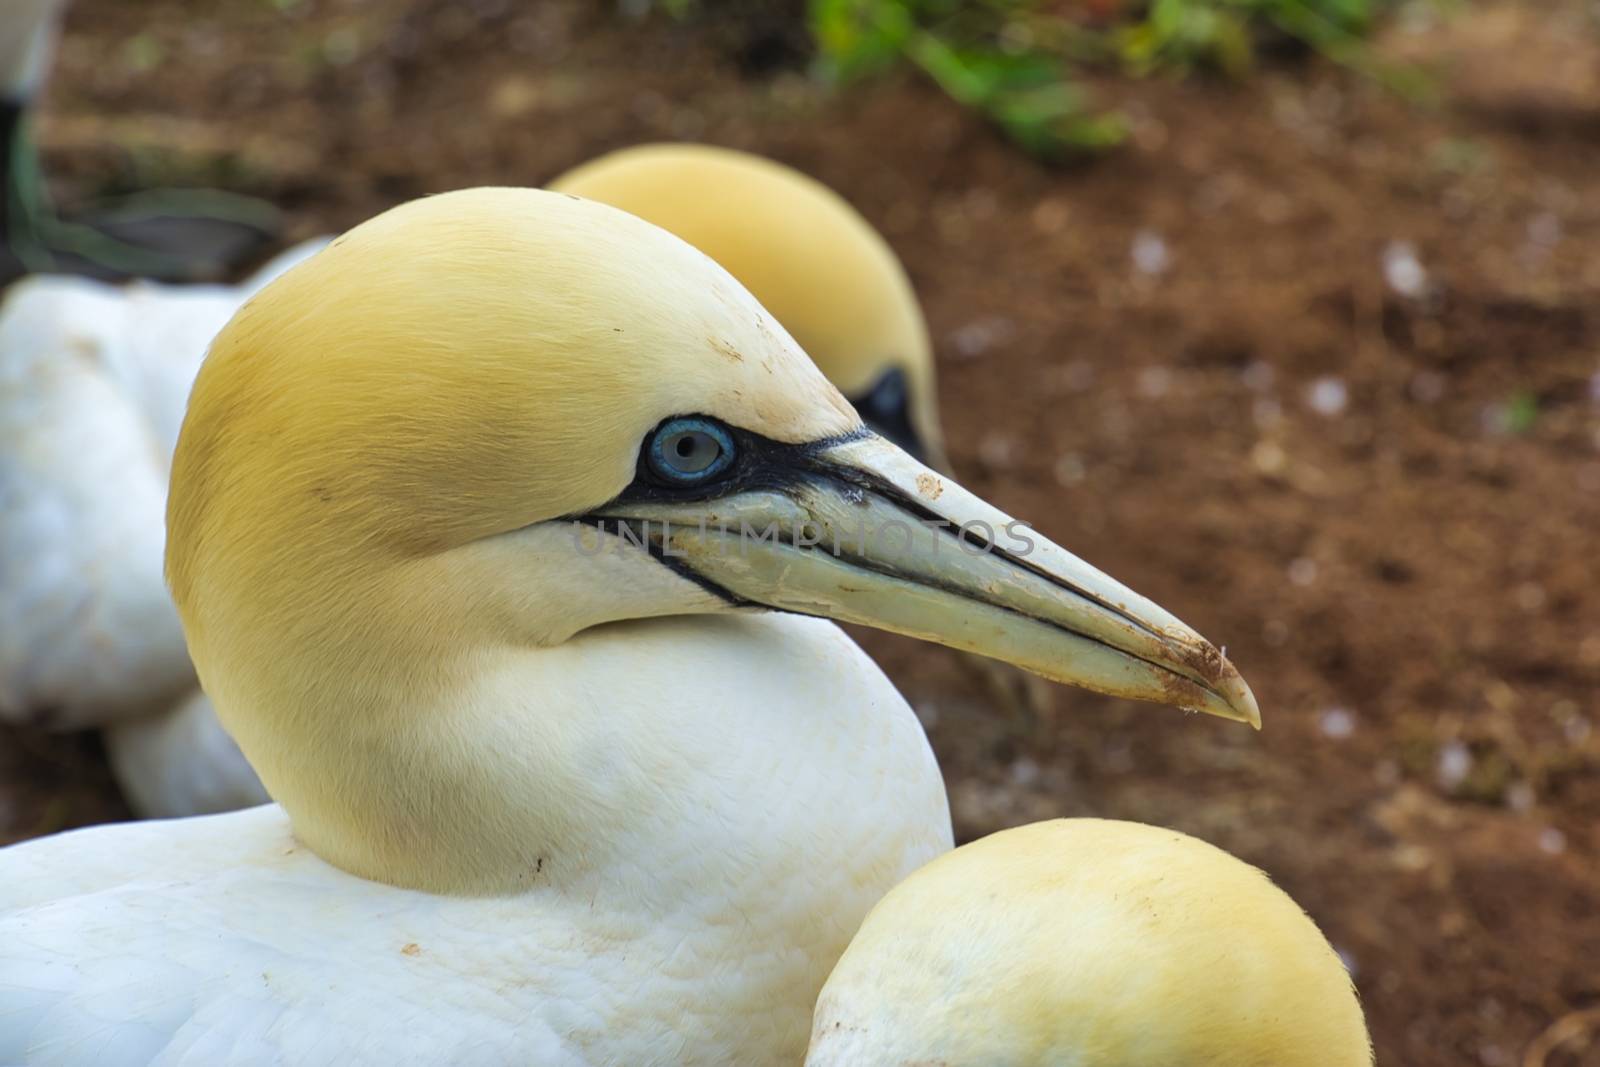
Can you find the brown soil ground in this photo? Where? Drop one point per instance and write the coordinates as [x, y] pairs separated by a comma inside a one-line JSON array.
[[1384, 503]]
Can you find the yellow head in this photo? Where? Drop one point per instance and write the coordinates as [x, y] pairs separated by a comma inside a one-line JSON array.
[[806, 254], [462, 366], [1094, 943], [488, 421]]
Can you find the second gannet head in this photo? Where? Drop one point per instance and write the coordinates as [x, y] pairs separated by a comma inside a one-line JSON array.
[[485, 424], [1089, 943], [806, 254]]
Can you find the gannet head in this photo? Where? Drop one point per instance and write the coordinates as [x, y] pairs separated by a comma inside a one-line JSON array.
[[461, 378], [487, 421], [1086, 941], [806, 255]]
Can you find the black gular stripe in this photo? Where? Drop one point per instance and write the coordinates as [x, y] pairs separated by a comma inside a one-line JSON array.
[[658, 553], [678, 567]]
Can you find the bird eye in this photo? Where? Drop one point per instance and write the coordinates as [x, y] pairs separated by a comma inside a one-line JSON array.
[[689, 451]]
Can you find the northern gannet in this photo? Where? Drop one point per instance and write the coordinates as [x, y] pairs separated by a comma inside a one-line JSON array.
[[93, 382], [806, 254], [803, 251], [457, 532], [175, 235], [831, 279], [1089, 942]]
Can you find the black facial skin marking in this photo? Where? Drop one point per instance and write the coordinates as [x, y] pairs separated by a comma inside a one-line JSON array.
[[760, 464], [886, 407]]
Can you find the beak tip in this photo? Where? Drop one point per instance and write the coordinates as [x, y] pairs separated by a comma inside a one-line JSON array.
[[1241, 699]]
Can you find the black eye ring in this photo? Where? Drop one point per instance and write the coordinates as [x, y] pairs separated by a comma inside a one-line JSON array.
[[689, 450]]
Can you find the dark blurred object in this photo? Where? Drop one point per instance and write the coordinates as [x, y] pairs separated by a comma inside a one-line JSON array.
[[761, 39], [171, 235]]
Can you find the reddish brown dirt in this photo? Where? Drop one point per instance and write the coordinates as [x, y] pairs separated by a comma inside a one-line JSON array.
[[1406, 581]]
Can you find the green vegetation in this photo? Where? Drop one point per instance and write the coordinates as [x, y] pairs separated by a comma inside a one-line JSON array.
[[1015, 60], [1521, 412]]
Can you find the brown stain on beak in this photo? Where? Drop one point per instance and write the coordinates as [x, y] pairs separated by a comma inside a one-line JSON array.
[[1207, 661], [1181, 692]]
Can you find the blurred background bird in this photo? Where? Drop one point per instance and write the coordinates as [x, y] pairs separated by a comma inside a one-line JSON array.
[[94, 379]]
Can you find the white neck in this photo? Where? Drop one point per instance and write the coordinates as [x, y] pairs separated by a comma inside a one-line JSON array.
[[735, 790], [717, 800], [738, 740]]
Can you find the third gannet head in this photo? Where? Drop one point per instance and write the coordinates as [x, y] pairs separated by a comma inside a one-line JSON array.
[[1089, 943]]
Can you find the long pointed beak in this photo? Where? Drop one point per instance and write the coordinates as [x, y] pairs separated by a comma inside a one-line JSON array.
[[857, 530]]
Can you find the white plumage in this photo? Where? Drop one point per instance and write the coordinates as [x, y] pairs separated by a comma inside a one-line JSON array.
[[220, 940], [93, 382]]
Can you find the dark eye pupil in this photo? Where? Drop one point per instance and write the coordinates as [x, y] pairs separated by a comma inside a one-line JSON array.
[[693, 451]]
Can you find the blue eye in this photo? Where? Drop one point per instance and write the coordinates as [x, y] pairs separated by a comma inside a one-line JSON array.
[[689, 451]]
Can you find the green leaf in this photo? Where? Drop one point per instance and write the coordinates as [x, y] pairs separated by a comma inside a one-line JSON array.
[[1521, 412]]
